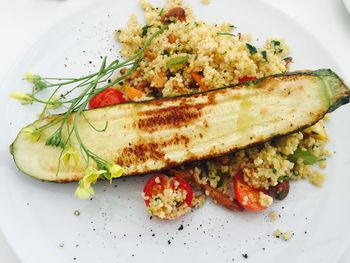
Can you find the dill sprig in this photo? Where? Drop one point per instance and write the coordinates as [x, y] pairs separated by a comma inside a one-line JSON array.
[[89, 86]]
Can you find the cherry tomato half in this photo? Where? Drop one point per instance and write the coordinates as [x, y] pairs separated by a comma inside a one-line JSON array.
[[247, 196], [246, 79], [109, 96], [157, 183]]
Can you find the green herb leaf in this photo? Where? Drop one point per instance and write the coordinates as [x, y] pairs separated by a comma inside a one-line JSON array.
[[274, 170], [281, 194], [251, 49], [264, 54], [277, 46], [177, 61], [308, 157], [222, 178], [282, 178], [161, 12], [145, 30], [225, 34], [165, 53]]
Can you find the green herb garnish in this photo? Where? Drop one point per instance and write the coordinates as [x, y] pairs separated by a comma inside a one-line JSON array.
[[68, 128], [165, 53], [145, 30], [225, 34], [252, 49], [222, 178], [282, 178], [264, 55], [308, 157], [280, 195], [177, 61], [274, 170], [277, 46]]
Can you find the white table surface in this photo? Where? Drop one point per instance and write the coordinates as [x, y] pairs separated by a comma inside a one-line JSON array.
[[24, 21]]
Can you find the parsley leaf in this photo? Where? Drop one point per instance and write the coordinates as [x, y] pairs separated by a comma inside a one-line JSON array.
[[264, 54], [145, 30], [251, 49], [277, 46]]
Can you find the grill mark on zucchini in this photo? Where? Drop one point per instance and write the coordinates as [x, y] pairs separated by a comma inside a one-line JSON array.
[[148, 151], [170, 117], [174, 116]]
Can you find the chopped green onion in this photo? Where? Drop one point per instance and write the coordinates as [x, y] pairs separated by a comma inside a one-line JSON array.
[[264, 54], [177, 61], [225, 34]]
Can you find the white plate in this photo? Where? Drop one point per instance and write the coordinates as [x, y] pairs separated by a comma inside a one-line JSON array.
[[347, 4], [114, 227]]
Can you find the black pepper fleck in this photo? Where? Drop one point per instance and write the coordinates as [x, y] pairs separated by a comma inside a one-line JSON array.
[[245, 256], [181, 227], [169, 242]]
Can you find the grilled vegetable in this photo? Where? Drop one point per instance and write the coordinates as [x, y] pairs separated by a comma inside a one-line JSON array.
[[149, 136]]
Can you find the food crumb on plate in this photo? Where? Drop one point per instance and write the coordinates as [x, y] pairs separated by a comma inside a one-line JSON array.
[[283, 235], [273, 216], [77, 213], [205, 2]]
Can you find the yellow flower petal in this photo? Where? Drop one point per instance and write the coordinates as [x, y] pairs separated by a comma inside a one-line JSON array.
[[21, 97], [115, 170], [84, 193], [30, 77], [70, 156], [31, 133]]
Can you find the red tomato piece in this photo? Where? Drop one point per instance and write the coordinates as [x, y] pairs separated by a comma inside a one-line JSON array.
[[247, 196], [246, 79], [152, 187], [157, 183], [109, 96]]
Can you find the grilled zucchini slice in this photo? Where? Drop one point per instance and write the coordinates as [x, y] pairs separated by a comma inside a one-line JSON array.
[[149, 136]]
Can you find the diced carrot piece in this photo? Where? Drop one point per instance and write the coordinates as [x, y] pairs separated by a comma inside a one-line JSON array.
[[133, 94], [198, 79]]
